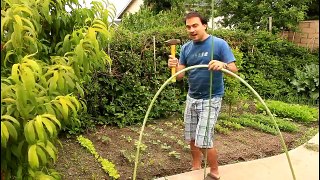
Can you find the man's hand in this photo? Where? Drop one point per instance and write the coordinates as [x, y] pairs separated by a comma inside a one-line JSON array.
[[216, 65], [172, 62]]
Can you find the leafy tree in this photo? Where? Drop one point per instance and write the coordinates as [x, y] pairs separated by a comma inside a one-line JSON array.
[[46, 55], [313, 10], [157, 6], [250, 15], [203, 6]]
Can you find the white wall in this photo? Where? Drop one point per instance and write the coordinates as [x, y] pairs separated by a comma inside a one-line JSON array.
[[135, 6]]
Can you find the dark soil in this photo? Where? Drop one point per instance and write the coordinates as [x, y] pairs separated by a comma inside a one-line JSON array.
[[165, 152]]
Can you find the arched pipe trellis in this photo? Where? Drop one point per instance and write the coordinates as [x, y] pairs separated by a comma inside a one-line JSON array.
[[225, 71]]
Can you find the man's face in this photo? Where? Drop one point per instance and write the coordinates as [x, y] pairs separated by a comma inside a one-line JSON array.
[[196, 29]]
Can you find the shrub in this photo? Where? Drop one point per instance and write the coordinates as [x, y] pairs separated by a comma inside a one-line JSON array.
[[307, 80]]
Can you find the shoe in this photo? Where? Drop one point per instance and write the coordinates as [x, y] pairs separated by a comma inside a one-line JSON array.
[[211, 177], [194, 169]]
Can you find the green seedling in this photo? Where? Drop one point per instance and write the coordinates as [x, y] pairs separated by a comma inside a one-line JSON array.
[[175, 154], [165, 146], [169, 124], [128, 156], [143, 147], [105, 139]]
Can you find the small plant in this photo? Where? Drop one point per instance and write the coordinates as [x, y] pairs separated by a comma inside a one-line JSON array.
[[307, 80], [245, 121], [130, 157], [143, 147], [159, 130], [105, 139], [128, 139], [165, 146], [169, 124], [156, 142], [107, 166], [285, 124], [180, 142], [175, 154], [294, 111], [221, 129], [231, 125]]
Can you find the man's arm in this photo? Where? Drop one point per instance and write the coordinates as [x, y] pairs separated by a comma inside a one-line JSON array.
[[231, 67], [218, 65]]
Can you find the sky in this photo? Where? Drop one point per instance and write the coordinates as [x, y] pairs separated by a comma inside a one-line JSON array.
[[119, 4]]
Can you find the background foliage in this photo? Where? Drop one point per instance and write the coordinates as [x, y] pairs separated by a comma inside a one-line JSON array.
[[245, 15], [268, 64]]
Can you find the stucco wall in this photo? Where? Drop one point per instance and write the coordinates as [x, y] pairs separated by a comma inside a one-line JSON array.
[[134, 6], [307, 36]]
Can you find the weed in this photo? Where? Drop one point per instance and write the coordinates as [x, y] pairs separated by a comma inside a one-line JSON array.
[[312, 147], [306, 136]]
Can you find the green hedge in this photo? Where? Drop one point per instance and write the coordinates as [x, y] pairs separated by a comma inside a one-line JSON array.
[[123, 96]]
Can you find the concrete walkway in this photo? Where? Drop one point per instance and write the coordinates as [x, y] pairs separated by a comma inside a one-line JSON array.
[[304, 159]]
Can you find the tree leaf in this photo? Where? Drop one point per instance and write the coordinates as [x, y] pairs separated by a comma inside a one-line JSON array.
[[10, 118], [50, 126], [53, 82], [8, 54], [33, 157], [52, 118], [65, 109], [42, 155], [27, 77], [15, 73], [39, 128], [29, 132], [11, 129], [4, 135]]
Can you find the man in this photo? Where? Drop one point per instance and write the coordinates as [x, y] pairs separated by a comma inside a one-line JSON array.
[[195, 52]]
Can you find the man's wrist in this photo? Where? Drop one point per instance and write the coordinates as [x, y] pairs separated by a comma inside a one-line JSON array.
[[225, 66]]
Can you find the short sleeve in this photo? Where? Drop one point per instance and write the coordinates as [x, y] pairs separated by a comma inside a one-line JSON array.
[[226, 53], [182, 59]]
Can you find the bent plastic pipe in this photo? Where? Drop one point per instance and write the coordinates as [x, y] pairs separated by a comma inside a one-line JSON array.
[[225, 71]]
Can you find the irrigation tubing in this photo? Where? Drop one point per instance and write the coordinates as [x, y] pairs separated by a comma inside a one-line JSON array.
[[225, 71]]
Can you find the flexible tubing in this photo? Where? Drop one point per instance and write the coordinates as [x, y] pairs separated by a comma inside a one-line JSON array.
[[225, 71]]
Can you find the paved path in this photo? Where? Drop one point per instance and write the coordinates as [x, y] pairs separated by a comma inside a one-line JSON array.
[[304, 159]]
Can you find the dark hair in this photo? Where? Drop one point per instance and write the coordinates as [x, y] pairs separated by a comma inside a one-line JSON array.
[[192, 14]]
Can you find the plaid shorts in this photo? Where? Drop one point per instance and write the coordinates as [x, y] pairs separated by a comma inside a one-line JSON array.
[[196, 120]]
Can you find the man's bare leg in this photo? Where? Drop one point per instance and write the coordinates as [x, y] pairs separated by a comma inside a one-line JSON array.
[[212, 158], [196, 156]]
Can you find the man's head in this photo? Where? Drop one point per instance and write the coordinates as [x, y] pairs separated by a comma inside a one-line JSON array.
[[196, 26]]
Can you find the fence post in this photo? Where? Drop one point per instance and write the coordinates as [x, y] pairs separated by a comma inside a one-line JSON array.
[[270, 23], [154, 55]]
